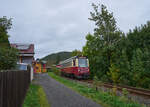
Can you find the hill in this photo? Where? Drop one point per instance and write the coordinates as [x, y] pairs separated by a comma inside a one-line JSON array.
[[54, 58]]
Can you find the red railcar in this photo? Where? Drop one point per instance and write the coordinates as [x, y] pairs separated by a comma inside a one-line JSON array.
[[77, 66]]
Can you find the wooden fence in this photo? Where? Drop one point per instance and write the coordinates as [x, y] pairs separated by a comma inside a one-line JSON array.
[[13, 87]]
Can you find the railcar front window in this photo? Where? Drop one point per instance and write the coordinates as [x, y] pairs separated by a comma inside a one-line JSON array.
[[83, 62]]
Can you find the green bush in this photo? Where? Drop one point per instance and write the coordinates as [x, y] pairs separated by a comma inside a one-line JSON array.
[[8, 58], [56, 71], [95, 83]]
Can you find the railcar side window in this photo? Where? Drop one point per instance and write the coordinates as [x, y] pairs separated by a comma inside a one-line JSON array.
[[67, 64]]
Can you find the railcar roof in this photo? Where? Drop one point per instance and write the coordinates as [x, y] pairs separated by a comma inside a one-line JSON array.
[[67, 60]]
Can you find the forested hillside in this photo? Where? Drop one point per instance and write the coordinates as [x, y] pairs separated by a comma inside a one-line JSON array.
[[56, 57]]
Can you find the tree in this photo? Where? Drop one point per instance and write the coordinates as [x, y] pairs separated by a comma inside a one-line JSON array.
[[5, 24], [106, 31], [8, 58], [124, 65], [138, 38], [100, 46], [8, 55], [76, 53], [138, 43], [109, 50], [137, 68], [145, 80], [57, 59], [114, 73]]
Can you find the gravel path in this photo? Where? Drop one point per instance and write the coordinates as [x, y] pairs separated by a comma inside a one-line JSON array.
[[60, 96]]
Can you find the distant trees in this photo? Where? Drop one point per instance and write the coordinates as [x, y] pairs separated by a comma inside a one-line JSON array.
[[76, 53], [57, 59], [114, 56], [8, 55]]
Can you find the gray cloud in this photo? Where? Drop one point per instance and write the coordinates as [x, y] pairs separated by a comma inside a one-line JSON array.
[[61, 25]]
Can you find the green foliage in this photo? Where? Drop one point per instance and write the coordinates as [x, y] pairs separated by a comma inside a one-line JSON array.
[[101, 45], [76, 53], [56, 71], [8, 55], [114, 73], [137, 68], [57, 59], [139, 53], [124, 66], [35, 97], [129, 53], [125, 92], [96, 82], [8, 58], [124, 96], [104, 98], [5, 25]]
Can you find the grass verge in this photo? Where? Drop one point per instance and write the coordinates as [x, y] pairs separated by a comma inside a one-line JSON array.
[[35, 97], [106, 99]]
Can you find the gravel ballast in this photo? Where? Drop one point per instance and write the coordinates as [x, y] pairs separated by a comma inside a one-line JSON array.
[[59, 95]]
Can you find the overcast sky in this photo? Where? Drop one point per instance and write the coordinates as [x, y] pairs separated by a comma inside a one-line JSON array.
[[61, 25]]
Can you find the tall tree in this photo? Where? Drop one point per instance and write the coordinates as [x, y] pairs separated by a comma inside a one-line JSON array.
[[124, 67], [137, 67], [8, 55], [106, 30], [5, 25], [101, 44]]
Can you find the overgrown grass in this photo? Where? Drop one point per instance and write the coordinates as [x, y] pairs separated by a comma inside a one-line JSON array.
[[106, 99], [36, 97]]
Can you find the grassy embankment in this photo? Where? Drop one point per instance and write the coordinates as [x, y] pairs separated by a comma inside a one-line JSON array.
[[35, 97], [106, 99]]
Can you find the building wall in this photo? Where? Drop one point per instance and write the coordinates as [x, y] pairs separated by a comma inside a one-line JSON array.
[[38, 68]]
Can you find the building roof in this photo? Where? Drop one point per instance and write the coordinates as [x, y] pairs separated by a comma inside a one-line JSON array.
[[24, 48]]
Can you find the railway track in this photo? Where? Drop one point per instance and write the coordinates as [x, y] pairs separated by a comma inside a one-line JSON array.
[[139, 95], [131, 90]]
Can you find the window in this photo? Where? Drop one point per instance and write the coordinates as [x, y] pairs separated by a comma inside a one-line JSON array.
[[82, 62], [21, 67], [67, 64]]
